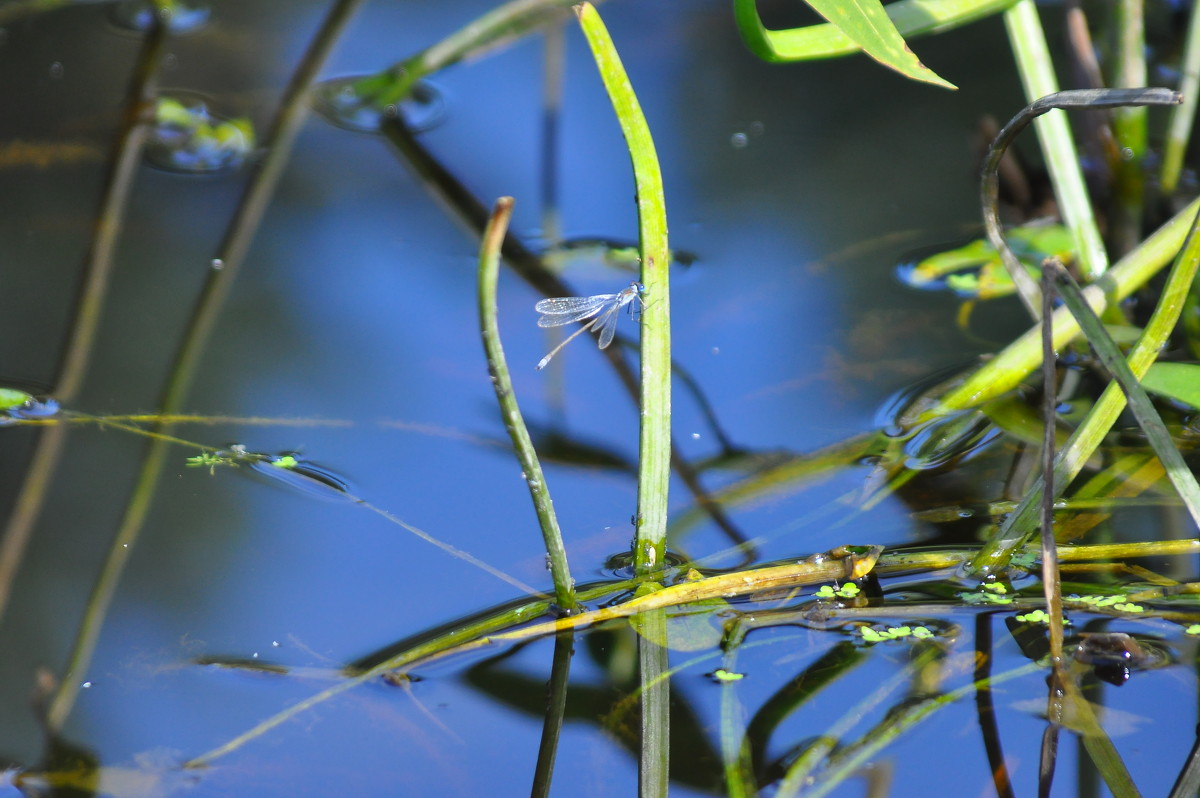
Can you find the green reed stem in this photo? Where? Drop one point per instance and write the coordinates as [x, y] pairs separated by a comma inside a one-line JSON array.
[[654, 466], [1054, 132], [655, 450], [531, 469], [1179, 129], [1129, 129]]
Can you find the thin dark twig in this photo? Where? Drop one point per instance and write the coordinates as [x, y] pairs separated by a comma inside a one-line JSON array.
[[1050, 578], [985, 707], [556, 708], [1087, 99]]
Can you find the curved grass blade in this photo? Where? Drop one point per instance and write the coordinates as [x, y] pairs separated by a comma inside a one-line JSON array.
[[867, 27], [1147, 417], [911, 18], [489, 269]]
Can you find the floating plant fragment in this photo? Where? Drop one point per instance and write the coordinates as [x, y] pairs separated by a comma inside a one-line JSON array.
[[872, 635], [722, 676], [286, 468], [363, 104], [17, 405], [180, 17], [187, 138], [975, 271]]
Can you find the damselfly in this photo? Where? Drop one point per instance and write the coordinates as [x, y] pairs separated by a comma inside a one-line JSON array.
[[605, 307]]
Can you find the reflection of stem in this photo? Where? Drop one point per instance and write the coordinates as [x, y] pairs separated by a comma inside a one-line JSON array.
[[291, 115], [985, 707], [556, 709], [97, 273]]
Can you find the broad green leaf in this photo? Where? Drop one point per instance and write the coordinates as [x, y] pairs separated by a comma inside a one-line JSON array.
[[869, 26], [1178, 381], [907, 18]]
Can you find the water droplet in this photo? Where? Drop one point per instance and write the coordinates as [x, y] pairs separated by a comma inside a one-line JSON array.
[[139, 15], [1126, 154], [275, 643], [695, 436], [363, 103], [216, 264], [188, 138], [739, 141], [56, 70], [170, 61], [86, 685]]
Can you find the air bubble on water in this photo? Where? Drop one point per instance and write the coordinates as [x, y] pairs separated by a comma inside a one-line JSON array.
[[739, 140], [56, 70], [216, 264], [86, 685], [342, 104], [695, 436]]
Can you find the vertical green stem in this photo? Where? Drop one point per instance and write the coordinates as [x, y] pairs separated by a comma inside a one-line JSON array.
[[655, 449], [1037, 75], [489, 270], [1129, 128], [1180, 127]]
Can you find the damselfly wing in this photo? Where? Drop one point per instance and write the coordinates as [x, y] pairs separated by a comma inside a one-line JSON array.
[[602, 309]]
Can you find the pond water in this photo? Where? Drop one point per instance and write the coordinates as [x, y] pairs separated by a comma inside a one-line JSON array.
[[350, 337]]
